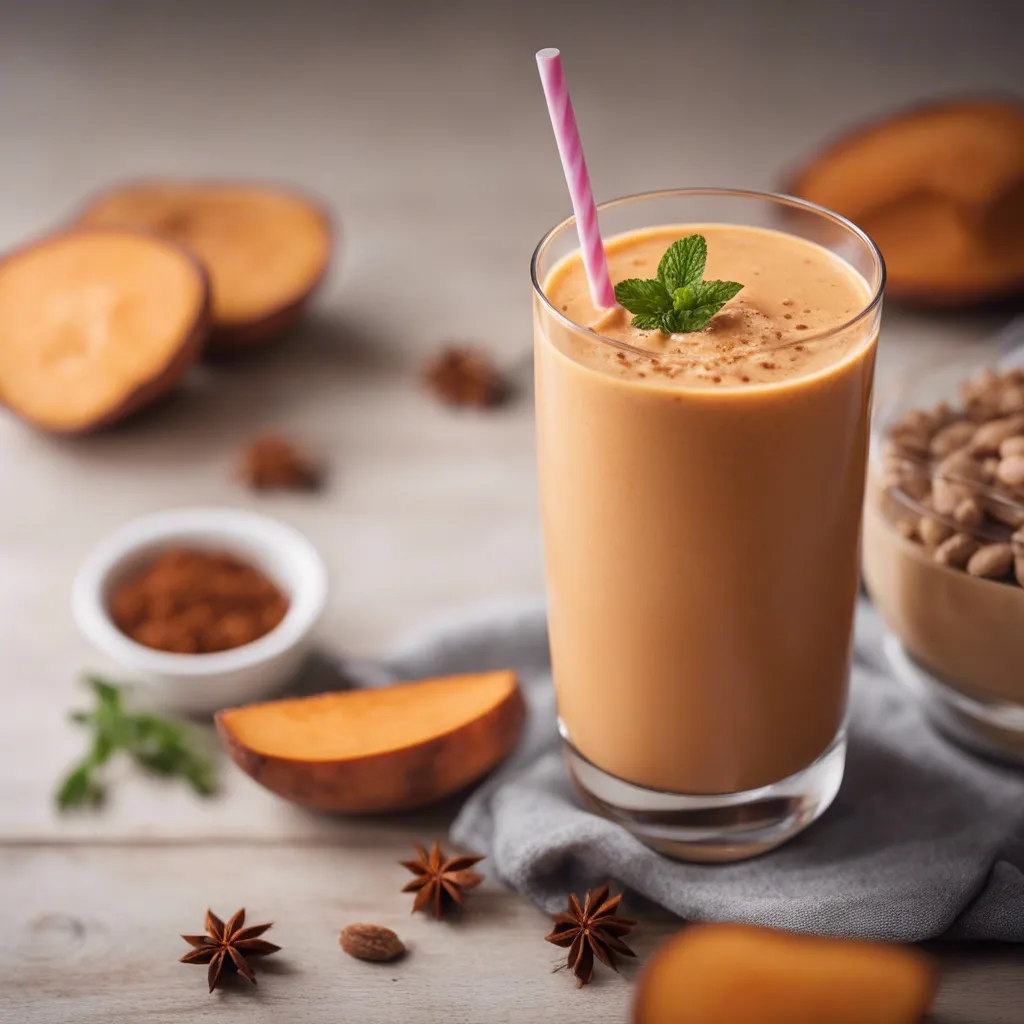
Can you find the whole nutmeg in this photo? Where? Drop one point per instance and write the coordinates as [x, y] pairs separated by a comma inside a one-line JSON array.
[[371, 942]]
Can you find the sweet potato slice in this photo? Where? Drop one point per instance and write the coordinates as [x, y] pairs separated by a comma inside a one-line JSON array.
[[369, 751], [941, 190], [265, 249], [713, 973], [95, 324]]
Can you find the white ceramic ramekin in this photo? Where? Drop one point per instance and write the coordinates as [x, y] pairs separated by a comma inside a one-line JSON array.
[[202, 683]]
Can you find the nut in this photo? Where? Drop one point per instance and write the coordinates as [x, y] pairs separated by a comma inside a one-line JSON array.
[[1011, 399], [952, 438], [1004, 510], [989, 436], [933, 531], [908, 444], [1012, 446], [371, 942], [915, 485], [959, 465], [942, 414], [1011, 471], [916, 421], [969, 513], [992, 561], [948, 496], [956, 552]]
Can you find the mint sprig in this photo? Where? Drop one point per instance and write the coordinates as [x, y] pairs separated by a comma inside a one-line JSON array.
[[157, 745], [678, 300]]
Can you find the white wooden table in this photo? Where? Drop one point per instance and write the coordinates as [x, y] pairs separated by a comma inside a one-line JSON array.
[[423, 126]]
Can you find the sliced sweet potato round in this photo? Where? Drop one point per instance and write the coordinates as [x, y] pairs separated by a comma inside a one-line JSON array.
[[95, 324], [265, 249], [741, 974], [940, 188], [371, 751]]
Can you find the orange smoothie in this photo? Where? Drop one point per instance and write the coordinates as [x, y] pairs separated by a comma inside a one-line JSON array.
[[701, 498]]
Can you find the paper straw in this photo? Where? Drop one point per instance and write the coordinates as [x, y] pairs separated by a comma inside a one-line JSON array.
[[567, 135]]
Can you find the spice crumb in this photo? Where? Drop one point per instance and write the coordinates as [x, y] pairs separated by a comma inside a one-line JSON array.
[[272, 463], [466, 376]]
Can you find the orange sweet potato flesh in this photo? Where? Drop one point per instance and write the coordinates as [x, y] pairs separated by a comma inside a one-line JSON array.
[[941, 190], [739, 974], [371, 751], [95, 324], [265, 249]]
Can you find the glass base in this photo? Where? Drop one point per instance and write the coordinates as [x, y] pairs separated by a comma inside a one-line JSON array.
[[718, 828], [993, 728]]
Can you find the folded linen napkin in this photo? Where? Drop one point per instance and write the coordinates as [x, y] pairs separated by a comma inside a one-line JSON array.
[[923, 840]]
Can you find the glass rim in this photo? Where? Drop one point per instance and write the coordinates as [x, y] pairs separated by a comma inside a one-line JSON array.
[[776, 198]]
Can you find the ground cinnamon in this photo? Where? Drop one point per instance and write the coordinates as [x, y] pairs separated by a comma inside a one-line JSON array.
[[196, 602]]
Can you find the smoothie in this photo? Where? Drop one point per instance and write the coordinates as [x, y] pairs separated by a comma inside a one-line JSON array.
[[701, 500]]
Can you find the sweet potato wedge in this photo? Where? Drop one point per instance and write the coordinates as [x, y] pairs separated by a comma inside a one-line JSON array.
[[940, 188], [717, 973], [95, 324], [265, 249], [371, 751]]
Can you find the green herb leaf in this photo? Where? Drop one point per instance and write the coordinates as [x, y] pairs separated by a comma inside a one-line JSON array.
[[710, 293], [693, 307], [678, 301], [683, 263], [155, 744], [643, 297], [78, 788], [648, 321]]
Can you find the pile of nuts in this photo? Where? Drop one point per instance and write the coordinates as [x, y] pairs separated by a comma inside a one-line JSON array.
[[954, 478]]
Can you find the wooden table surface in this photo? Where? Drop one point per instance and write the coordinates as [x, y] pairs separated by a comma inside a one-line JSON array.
[[423, 127]]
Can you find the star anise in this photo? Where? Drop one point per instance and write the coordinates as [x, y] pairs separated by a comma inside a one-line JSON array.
[[439, 882], [225, 946], [592, 930], [463, 375]]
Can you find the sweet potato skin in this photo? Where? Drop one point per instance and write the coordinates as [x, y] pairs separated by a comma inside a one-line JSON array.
[[914, 294], [396, 780], [161, 384], [713, 973], [226, 339]]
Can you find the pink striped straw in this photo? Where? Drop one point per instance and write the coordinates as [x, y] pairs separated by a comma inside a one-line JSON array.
[[570, 149]]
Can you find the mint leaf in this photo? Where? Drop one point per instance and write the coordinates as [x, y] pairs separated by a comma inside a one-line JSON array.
[[711, 292], [683, 299], [693, 307], [648, 321], [683, 263], [158, 745], [78, 789], [677, 301], [643, 297]]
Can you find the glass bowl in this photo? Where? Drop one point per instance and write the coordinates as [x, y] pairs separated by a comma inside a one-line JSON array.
[[943, 546]]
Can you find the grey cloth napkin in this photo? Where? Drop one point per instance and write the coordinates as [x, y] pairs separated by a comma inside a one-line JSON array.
[[923, 840]]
